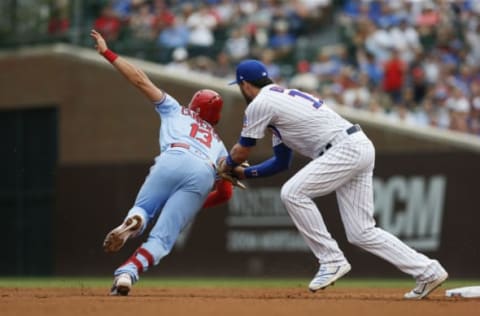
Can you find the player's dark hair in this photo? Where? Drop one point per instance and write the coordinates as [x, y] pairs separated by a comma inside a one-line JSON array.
[[261, 82]]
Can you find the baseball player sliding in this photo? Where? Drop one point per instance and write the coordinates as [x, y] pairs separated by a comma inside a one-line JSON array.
[[342, 161], [171, 191]]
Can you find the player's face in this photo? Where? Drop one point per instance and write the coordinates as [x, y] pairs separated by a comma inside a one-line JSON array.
[[246, 96]]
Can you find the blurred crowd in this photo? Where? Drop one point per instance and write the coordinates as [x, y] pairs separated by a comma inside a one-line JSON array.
[[414, 61], [418, 61]]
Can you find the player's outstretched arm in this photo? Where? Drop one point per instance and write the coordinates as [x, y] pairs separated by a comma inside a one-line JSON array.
[[238, 154], [135, 75], [281, 160]]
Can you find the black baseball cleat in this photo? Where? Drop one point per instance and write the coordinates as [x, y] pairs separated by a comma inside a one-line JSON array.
[[117, 237]]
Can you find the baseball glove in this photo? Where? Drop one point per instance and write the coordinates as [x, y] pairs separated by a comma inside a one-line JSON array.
[[232, 178]]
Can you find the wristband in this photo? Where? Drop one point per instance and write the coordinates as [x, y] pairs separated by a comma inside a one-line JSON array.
[[250, 172], [229, 161], [109, 55]]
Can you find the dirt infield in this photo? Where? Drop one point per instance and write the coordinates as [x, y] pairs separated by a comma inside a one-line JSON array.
[[228, 301]]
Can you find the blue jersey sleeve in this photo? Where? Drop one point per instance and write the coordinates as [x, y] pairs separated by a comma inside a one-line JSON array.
[[279, 162], [247, 141]]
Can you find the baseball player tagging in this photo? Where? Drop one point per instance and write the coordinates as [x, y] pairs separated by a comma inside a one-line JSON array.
[[342, 161]]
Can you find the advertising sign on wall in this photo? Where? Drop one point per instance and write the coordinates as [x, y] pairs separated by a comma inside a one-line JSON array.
[[429, 201]]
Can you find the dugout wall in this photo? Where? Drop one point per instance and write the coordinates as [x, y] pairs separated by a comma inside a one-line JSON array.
[[107, 138]]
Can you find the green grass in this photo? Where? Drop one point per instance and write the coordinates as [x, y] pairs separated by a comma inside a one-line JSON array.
[[21, 282]]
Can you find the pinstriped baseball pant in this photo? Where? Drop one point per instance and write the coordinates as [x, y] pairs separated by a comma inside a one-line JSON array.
[[347, 168]]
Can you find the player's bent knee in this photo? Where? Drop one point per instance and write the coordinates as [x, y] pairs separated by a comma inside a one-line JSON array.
[[287, 195], [362, 237], [354, 239]]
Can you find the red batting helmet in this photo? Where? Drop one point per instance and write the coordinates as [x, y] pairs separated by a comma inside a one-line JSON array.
[[208, 104]]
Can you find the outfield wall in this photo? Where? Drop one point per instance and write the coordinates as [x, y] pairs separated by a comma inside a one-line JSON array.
[[425, 180]]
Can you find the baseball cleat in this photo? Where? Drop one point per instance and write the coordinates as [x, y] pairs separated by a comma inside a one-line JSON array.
[[121, 285], [327, 275], [422, 289], [117, 237]]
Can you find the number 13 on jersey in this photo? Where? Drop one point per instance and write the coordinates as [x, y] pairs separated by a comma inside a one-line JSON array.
[[203, 135]]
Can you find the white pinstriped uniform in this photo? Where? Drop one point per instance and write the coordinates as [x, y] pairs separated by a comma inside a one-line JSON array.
[[306, 125]]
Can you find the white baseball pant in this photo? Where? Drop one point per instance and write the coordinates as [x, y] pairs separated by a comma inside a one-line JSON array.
[[347, 168]]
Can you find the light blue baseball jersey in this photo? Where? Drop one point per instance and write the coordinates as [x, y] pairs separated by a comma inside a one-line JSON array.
[[177, 184], [182, 125]]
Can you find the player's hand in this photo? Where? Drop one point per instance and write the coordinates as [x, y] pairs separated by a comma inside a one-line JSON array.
[[100, 45], [232, 175], [239, 171], [222, 166]]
